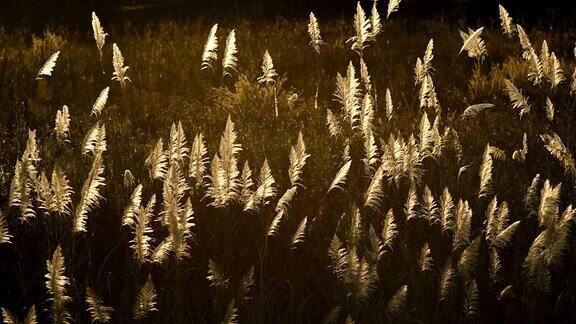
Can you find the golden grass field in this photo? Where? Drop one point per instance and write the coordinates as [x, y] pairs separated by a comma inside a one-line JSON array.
[[363, 169]]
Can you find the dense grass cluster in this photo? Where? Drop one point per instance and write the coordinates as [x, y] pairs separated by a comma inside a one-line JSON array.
[[347, 170]]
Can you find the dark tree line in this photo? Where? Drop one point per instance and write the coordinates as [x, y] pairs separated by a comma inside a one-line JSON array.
[[474, 6]]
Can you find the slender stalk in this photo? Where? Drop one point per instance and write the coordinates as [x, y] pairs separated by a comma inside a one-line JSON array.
[[178, 296], [275, 100]]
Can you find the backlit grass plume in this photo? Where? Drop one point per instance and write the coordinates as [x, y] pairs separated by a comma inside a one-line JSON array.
[[11, 318], [95, 140], [468, 261], [216, 275], [157, 161], [273, 227], [177, 149], [375, 192], [551, 68], [411, 206], [230, 61], [389, 105], [362, 28], [393, 6], [428, 95], [62, 123], [536, 71], [520, 155], [284, 202], [198, 160], [429, 207], [556, 75], [573, 83], [506, 21], [246, 285], [119, 68], [56, 283], [549, 247], [31, 316], [225, 185], [100, 101], [133, 207], [5, 236], [447, 283], [463, 225], [389, 232], [98, 311], [423, 66], [61, 197], [48, 67], [356, 273], [341, 177], [473, 44], [333, 124], [375, 20], [231, 315], [44, 193], [247, 183], [476, 110], [531, 199], [370, 159], [128, 179], [549, 203], [298, 157], [348, 95], [268, 71], [23, 183], [486, 173], [141, 243], [367, 115], [161, 252], [176, 215], [266, 189], [527, 48], [314, 32], [210, 55], [99, 34], [268, 75], [498, 232], [146, 300], [90, 196], [553, 143], [447, 216], [425, 260], [397, 303], [471, 300], [300, 235], [427, 136], [519, 101]]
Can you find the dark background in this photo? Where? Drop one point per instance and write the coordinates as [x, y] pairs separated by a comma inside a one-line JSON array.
[[36, 14]]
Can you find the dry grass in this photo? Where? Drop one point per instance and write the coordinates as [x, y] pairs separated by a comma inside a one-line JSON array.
[[206, 188]]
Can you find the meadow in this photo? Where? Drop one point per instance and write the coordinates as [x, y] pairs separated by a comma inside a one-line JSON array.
[[364, 169]]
